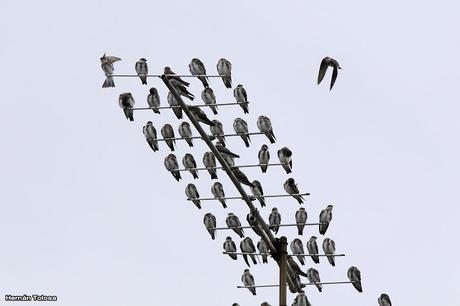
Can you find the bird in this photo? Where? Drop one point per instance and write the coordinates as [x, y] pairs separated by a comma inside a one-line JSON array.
[[258, 192], [248, 281], [153, 100], [313, 278], [265, 126], [217, 130], [297, 248], [241, 128], [247, 246], [217, 191], [174, 105], [241, 97], [285, 157], [242, 178], [190, 164], [150, 134], [197, 68], [253, 223], [354, 275], [172, 166], [185, 131], [224, 69], [329, 249], [229, 160], [325, 63], [179, 85], [295, 267], [168, 134], [199, 115], [384, 300], [291, 187], [274, 220], [312, 248], [209, 221], [301, 217], [126, 102], [301, 299], [209, 161], [325, 218], [208, 97], [264, 158], [234, 223], [142, 70], [224, 151], [192, 194], [230, 247], [172, 76], [235, 304], [263, 249], [265, 304], [107, 66]]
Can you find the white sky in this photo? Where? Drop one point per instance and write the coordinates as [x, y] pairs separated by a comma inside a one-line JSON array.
[[90, 214]]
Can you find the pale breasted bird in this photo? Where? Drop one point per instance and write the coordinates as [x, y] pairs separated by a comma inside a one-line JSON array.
[[142, 70], [224, 69], [230, 247], [185, 131], [192, 193], [384, 300], [150, 134], [291, 188], [262, 247], [107, 66], [258, 192], [265, 126], [209, 221], [171, 165], [209, 161], [190, 164], [153, 100], [264, 158], [325, 63], [274, 220], [217, 191], [312, 248], [241, 128], [354, 275], [217, 130], [297, 248], [241, 97], [208, 97], [248, 281], [301, 218], [247, 246], [197, 68], [168, 134], [285, 157], [313, 277], [253, 223], [175, 105], [126, 102], [234, 223], [325, 218], [329, 249]]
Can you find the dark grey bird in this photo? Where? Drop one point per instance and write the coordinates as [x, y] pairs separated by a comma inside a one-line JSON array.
[[172, 166], [301, 299], [265, 304], [168, 134], [248, 281], [172, 76], [265, 126], [291, 188], [197, 68], [200, 115], [107, 66], [329, 249], [142, 70], [185, 131], [217, 130], [297, 248], [192, 193], [285, 157], [354, 275], [258, 192], [247, 246], [208, 97], [313, 277], [242, 177], [301, 217], [296, 267], [274, 220], [229, 160], [312, 247], [217, 191], [325, 63], [234, 223], [224, 69], [190, 164], [153, 100], [126, 102], [263, 249], [384, 300], [264, 158], [209, 161], [230, 247], [325, 218], [150, 134], [241, 128], [235, 304], [251, 221], [175, 105], [179, 85], [224, 151], [209, 221], [241, 97]]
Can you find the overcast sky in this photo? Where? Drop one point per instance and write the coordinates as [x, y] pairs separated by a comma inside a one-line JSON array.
[[88, 212]]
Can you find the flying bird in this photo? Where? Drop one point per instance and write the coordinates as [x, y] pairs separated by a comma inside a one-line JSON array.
[[265, 126], [185, 131], [384, 300], [126, 102], [190, 164], [291, 188], [263, 249], [329, 249], [241, 97], [242, 177], [209, 161], [172, 166], [274, 220], [192, 193], [197, 68], [209, 221], [168, 134], [217, 191], [241, 128], [224, 68], [224, 151], [354, 275], [313, 278], [325, 63], [264, 158], [234, 223], [325, 218], [142, 70], [285, 157], [153, 100], [199, 115], [297, 248], [258, 192], [301, 218], [208, 97], [247, 246], [150, 134], [312, 248], [230, 247], [175, 105], [296, 267], [107, 66], [248, 281], [217, 130], [301, 299]]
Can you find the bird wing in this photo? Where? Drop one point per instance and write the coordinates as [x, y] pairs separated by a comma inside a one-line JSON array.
[[113, 59], [322, 70], [334, 77]]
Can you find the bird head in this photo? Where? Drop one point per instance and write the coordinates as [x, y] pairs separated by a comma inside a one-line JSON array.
[[313, 238], [274, 209], [153, 90], [228, 238], [246, 271], [264, 147], [142, 59], [330, 207], [290, 181], [302, 208], [149, 122]]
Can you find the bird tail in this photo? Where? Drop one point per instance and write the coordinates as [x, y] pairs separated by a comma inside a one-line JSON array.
[[233, 256], [213, 174], [224, 204], [254, 261], [320, 288], [143, 79], [214, 109], [315, 259], [331, 260], [299, 199], [178, 112], [197, 203], [129, 114], [244, 106], [194, 174], [271, 137], [204, 81], [108, 82], [227, 82], [358, 286], [189, 141], [170, 145], [287, 169], [176, 175], [300, 230], [156, 110], [264, 168], [153, 145], [222, 140], [246, 140], [245, 257], [262, 202], [265, 259], [301, 260]]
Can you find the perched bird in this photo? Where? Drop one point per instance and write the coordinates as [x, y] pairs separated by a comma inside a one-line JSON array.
[[301, 299], [295, 267], [185, 131], [325, 218], [199, 114], [172, 76], [107, 66], [384, 300], [297, 248], [291, 187], [150, 134], [175, 105], [224, 68], [248, 281], [329, 249], [168, 134], [241, 97], [274, 220], [192, 194], [190, 164], [153, 100], [301, 218], [263, 249], [265, 126], [142, 70], [234, 223], [252, 222], [265, 304], [230, 247], [285, 157], [241, 128], [247, 246], [235, 304], [354, 275], [217, 191], [209, 161], [172, 166], [258, 192], [224, 151], [325, 63], [312, 248], [313, 277], [209, 221], [242, 177], [217, 130], [197, 68], [179, 85], [126, 102], [210, 99], [229, 160], [264, 158]]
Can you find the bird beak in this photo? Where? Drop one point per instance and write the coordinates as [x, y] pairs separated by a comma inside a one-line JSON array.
[[340, 68]]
